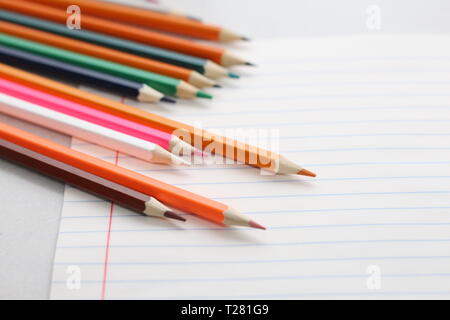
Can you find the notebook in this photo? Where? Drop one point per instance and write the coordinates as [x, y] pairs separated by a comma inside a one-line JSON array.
[[370, 114]]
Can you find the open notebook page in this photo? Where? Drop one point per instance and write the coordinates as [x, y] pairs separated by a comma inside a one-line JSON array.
[[369, 114]]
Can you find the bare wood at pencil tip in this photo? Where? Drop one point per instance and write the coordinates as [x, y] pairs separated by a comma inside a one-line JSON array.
[[173, 196], [130, 32], [86, 181], [241, 152]]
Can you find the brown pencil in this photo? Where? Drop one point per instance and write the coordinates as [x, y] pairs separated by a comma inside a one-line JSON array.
[[86, 181]]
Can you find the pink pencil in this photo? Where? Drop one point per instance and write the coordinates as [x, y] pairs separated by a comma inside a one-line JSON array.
[[165, 140]]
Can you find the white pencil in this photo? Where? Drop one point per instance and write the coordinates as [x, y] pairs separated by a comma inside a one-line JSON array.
[[87, 131]]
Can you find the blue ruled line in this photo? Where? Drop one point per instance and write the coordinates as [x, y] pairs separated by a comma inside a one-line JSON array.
[[281, 244], [298, 110], [314, 294], [303, 195], [282, 211], [307, 179], [299, 260], [273, 278]]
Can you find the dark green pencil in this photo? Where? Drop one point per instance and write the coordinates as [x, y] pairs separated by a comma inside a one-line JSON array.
[[164, 84], [204, 66]]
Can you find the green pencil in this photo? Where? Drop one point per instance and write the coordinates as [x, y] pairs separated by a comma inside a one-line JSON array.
[[164, 84], [204, 66]]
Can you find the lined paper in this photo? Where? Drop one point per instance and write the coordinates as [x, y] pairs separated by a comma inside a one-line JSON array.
[[369, 114]]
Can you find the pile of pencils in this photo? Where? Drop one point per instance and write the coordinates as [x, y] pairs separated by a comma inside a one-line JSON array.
[[133, 50]]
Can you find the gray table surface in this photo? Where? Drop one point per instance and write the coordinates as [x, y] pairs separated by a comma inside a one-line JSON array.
[[31, 204]]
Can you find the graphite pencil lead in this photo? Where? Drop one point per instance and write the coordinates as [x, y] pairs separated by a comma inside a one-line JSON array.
[[173, 215], [167, 99], [154, 208], [217, 86], [245, 39], [250, 64]]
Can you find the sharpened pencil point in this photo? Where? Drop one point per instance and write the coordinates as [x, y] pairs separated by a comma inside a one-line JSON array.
[[256, 225], [245, 39], [203, 95], [173, 215], [167, 99], [305, 172], [233, 75], [250, 64], [217, 86], [200, 153]]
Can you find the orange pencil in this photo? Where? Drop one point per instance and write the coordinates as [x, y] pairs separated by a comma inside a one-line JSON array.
[[227, 147], [219, 55], [168, 194], [191, 76], [149, 19]]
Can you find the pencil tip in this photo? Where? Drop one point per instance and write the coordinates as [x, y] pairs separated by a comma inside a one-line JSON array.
[[250, 64], [245, 39], [204, 95], [200, 153], [173, 215], [217, 86], [233, 75], [167, 99], [305, 172], [256, 225]]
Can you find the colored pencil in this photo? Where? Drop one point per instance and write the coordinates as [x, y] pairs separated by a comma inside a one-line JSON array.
[[85, 181], [70, 108], [155, 7], [148, 19], [166, 85], [65, 71], [84, 130], [245, 153], [216, 54], [190, 76], [203, 66], [168, 194]]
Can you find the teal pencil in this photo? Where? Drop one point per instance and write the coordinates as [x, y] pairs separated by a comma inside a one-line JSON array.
[[204, 66]]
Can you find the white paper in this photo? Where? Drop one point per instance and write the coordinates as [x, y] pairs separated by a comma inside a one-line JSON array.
[[369, 114]]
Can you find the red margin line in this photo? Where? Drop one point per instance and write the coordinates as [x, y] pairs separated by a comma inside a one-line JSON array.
[[108, 237]]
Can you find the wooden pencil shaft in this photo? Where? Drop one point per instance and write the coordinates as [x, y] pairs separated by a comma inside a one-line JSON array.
[[81, 129], [168, 194], [95, 50], [171, 57], [140, 116], [155, 7], [141, 17], [66, 71], [161, 83], [82, 112], [129, 32], [80, 179]]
